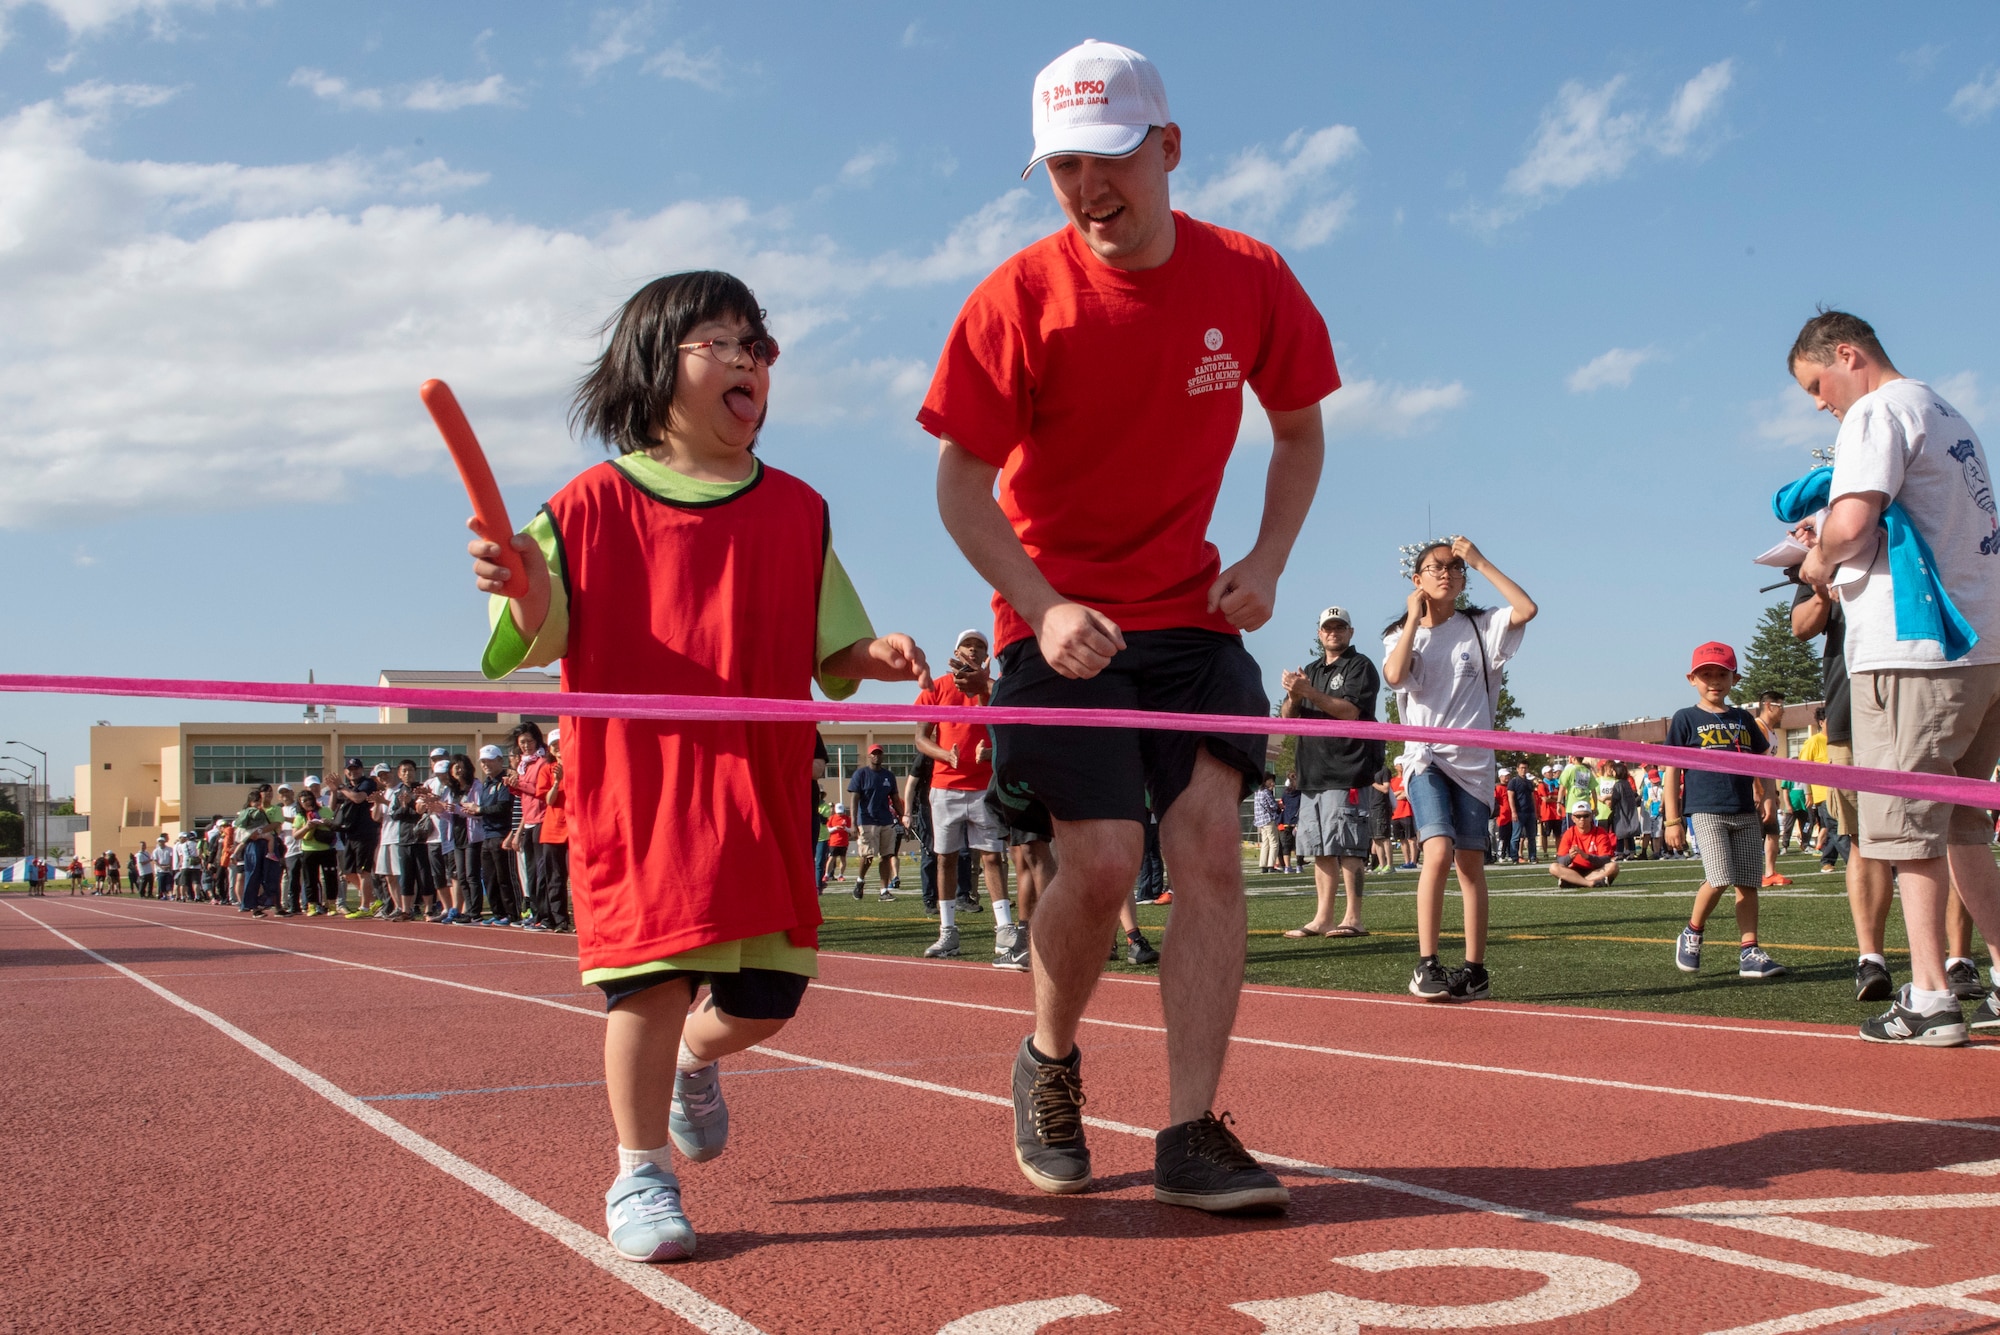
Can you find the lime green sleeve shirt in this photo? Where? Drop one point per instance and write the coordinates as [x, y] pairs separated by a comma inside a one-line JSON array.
[[842, 619]]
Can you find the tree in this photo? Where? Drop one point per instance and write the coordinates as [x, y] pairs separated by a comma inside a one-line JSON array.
[[1777, 660], [11, 834]]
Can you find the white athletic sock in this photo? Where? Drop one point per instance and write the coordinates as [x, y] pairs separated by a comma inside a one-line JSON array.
[[1960, 959], [947, 912], [1932, 1003], [1003, 913], [631, 1159], [687, 1061], [1878, 959]]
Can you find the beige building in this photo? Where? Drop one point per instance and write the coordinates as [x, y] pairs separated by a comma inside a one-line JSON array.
[[142, 782]]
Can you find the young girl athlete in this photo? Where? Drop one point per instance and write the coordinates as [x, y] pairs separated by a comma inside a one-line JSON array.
[[685, 566]]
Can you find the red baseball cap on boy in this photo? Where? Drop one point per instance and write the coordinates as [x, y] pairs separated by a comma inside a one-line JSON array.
[[1713, 654]]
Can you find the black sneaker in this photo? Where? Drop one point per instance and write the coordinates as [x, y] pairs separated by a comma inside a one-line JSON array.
[[1872, 982], [968, 905], [1962, 977], [1138, 950], [1900, 1024], [1203, 1165], [1988, 1014], [1048, 1121], [1430, 982], [1469, 982]]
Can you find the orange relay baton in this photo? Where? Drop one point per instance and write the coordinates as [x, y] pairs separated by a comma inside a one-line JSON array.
[[489, 512]]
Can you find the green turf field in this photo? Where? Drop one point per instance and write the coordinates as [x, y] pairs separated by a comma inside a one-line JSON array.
[[1575, 948]]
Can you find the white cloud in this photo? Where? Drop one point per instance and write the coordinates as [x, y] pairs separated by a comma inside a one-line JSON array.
[[616, 35], [1693, 106], [910, 36], [1610, 370], [428, 95], [1964, 393], [1256, 190], [675, 62], [87, 17], [212, 335], [861, 168], [1977, 100], [1920, 60], [1381, 408], [1584, 138], [1789, 420]]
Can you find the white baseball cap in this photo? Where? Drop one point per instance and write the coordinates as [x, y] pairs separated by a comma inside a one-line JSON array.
[[438, 752], [972, 634], [491, 752], [555, 734], [1582, 807], [312, 780], [1335, 613], [440, 767], [1098, 99]]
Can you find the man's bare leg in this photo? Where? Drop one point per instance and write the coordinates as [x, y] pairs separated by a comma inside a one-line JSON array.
[[1868, 897], [1099, 862], [1201, 971], [1324, 871], [1353, 872]]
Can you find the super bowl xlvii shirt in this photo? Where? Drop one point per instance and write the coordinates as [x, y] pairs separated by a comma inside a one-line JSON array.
[[1340, 762], [1904, 441], [1731, 730]]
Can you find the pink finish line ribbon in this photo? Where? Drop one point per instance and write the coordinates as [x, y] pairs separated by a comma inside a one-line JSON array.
[[581, 704]]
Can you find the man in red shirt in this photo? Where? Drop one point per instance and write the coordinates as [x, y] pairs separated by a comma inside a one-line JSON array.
[[1097, 377], [1587, 857], [960, 819]]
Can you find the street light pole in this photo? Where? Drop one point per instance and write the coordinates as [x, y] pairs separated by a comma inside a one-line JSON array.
[[45, 786]]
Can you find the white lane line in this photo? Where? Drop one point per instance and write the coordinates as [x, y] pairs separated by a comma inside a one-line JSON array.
[[676, 1297], [1955, 1295], [1827, 1316], [1483, 1008], [1594, 1081], [1977, 1168], [1775, 1218], [1903, 1295], [1861, 1114], [374, 936], [351, 964]]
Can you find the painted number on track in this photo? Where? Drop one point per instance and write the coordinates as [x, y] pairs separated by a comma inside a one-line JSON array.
[[1576, 1284]]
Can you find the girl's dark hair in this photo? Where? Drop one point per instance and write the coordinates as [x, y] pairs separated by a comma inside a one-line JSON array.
[[452, 773], [530, 728], [305, 796], [1470, 609], [627, 393]]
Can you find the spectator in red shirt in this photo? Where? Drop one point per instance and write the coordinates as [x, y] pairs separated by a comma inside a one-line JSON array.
[[837, 827], [1587, 857], [960, 819]]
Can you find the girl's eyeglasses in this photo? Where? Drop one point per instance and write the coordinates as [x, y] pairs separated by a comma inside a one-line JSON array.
[[763, 351], [1453, 568]]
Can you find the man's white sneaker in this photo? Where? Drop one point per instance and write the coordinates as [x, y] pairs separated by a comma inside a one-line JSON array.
[[945, 947]]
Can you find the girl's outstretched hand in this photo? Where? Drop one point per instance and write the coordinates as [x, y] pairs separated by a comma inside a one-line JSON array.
[[530, 605], [893, 657]]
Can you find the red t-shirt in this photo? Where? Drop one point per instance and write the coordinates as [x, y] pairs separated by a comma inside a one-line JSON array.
[[1503, 806], [969, 773], [837, 826], [1597, 843], [1401, 811], [1110, 402]]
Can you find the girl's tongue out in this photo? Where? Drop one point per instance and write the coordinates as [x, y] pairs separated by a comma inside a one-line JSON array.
[[741, 404]]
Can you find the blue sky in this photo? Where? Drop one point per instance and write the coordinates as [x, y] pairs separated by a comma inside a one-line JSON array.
[[1562, 250]]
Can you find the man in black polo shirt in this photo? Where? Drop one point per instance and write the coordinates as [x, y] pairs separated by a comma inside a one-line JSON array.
[[1335, 774], [354, 813]]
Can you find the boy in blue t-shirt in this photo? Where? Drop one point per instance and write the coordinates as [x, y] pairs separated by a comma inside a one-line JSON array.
[[1728, 810]]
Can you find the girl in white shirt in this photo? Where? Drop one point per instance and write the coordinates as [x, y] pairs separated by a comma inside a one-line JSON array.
[[1444, 663]]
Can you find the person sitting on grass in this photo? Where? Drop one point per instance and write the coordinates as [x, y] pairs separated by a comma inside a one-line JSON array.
[[1727, 811], [1587, 857]]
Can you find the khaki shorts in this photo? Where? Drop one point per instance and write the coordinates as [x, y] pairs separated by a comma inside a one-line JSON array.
[[878, 841], [1940, 721], [1846, 816]]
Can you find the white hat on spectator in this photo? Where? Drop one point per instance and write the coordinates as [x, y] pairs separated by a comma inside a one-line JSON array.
[[491, 752], [1336, 613]]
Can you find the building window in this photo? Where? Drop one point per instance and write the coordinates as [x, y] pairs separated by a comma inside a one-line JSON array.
[[900, 756], [842, 757], [139, 816], [243, 765], [393, 754], [450, 716]]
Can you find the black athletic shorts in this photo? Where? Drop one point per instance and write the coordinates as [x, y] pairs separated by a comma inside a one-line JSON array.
[[1108, 773], [1403, 827], [748, 994], [357, 857]]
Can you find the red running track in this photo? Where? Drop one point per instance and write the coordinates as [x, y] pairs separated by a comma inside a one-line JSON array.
[[221, 1123]]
